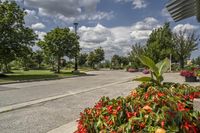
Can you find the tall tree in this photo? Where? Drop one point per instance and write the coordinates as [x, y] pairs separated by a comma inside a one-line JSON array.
[[159, 44], [95, 57], [82, 59], [137, 50], [15, 38], [184, 43], [38, 58], [100, 55], [59, 43]]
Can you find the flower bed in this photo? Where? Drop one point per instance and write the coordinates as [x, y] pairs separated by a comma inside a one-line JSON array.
[[149, 108], [190, 74], [152, 107]]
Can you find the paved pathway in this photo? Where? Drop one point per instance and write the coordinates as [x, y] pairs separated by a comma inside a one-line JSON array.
[[45, 116]]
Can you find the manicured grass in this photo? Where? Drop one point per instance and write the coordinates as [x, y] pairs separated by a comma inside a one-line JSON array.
[[19, 75]]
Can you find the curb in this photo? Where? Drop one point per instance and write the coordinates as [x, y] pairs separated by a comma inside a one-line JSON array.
[[36, 80], [33, 102], [67, 128]]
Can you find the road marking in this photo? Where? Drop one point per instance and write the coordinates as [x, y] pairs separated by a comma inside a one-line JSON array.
[[30, 103]]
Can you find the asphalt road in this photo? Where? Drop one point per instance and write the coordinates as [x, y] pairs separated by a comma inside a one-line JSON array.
[[43, 117], [46, 116]]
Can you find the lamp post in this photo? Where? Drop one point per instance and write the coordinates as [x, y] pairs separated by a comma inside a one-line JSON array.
[[76, 54]]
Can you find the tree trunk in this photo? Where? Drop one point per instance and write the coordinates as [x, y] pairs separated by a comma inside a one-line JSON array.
[[58, 68], [182, 63]]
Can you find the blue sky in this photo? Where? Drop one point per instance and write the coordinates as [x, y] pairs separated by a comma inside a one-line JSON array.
[[115, 25]]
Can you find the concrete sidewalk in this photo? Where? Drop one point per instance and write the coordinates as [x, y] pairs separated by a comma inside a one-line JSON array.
[[68, 128]]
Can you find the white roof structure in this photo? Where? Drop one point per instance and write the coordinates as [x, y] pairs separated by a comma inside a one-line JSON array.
[[182, 9]]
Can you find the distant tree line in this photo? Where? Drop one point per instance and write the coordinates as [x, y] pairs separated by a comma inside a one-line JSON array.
[[164, 43]]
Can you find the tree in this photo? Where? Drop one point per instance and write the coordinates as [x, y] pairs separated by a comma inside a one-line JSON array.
[[82, 59], [15, 38], [159, 45], [59, 43], [196, 61], [38, 58], [95, 57], [184, 43], [137, 50], [115, 61], [91, 60], [99, 53]]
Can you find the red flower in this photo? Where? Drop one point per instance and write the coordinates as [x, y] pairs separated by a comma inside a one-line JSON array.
[[81, 128], [162, 124], [181, 107], [119, 108], [160, 94], [129, 114], [109, 108], [142, 125], [98, 105], [146, 96]]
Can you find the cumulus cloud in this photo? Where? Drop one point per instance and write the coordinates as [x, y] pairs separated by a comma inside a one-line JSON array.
[[117, 40], [40, 34], [142, 29], [137, 4], [38, 26], [185, 27], [69, 10]]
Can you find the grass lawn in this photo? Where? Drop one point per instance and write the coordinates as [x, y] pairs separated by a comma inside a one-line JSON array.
[[19, 75]]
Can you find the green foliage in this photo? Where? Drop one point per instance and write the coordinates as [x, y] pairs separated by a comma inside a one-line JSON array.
[[156, 70], [196, 61], [184, 43], [95, 57], [59, 43], [159, 44], [118, 62], [137, 49], [144, 111], [82, 59], [16, 39]]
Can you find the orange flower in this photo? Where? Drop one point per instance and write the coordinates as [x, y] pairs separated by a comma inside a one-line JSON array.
[[147, 108], [134, 93], [160, 130]]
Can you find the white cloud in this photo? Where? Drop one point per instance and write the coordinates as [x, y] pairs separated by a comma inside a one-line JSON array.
[[40, 34], [117, 40], [38, 26], [137, 4], [69, 10], [142, 29], [185, 27]]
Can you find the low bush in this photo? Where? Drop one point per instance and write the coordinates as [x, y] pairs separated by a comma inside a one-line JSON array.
[[149, 108]]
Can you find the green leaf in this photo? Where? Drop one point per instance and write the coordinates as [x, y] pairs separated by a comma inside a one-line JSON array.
[[163, 66], [149, 62], [143, 79]]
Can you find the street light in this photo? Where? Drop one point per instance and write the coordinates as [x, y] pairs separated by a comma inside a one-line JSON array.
[[76, 54]]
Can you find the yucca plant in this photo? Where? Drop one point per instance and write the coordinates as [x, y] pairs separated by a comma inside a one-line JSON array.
[[156, 70]]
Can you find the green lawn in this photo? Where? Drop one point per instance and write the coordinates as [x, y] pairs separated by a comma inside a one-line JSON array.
[[20, 75]]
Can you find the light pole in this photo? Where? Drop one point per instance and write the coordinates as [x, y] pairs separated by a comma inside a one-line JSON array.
[[76, 54]]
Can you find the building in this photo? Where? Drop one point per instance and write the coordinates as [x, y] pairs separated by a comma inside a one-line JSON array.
[[182, 9]]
